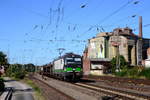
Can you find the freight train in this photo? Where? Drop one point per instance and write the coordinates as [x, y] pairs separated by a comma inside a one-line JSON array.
[[66, 67]]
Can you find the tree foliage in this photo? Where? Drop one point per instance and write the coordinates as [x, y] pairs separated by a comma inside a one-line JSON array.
[[16, 70], [3, 59], [145, 73], [29, 67], [123, 63], [134, 72], [2, 85]]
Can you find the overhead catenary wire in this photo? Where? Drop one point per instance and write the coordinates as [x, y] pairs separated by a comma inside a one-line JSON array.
[[107, 17], [114, 12], [145, 25], [59, 4], [46, 17], [79, 8], [73, 27]]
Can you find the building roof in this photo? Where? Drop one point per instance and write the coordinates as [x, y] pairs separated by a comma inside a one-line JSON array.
[[103, 34], [121, 31], [124, 31]]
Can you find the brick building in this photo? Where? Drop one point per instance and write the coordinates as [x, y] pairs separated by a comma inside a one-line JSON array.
[[106, 45]]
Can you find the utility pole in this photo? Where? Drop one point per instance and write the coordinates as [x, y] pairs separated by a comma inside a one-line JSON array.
[[8, 53], [118, 54], [116, 42], [139, 43], [60, 50]]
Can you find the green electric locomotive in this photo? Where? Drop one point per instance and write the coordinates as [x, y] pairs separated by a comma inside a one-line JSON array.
[[68, 67]]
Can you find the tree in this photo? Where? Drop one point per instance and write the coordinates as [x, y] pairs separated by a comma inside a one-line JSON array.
[[29, 67], [2, 85], [3, 62], [3, 59], [123, 63], [16, 70]]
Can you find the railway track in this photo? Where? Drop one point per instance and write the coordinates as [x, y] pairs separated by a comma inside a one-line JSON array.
[[118, 79], [55, 94], [116, 92], [113, 93]]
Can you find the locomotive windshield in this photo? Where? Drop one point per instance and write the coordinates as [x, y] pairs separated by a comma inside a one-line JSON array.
[[73, 61]]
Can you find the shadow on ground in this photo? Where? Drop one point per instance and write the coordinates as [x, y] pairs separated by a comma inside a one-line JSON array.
[[9, 80], [23, 90], [19, 90], [87, 81]]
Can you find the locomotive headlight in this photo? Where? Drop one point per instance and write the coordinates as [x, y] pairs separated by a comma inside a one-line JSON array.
[[65, 69], [69, 69], [78, 69]]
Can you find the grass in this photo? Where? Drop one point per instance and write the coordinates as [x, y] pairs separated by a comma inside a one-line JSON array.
[[37, 91]]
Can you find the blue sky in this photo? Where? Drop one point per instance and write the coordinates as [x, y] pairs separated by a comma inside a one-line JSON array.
[[31, 31]]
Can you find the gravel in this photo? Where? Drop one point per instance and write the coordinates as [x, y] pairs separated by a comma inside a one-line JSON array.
[[50, 93], [124, 83], [77, 92]]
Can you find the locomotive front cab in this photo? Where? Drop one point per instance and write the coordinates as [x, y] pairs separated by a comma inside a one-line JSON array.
[[73, 68]]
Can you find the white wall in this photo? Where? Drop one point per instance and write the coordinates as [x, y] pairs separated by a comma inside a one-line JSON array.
[[147, 63], [58, 64]]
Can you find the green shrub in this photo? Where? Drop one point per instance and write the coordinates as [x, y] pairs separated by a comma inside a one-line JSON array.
[[20, 75], [123, 63], [2, 85], [133, 72], [128, 72], [121, 73], [145, 73], [16, 70]]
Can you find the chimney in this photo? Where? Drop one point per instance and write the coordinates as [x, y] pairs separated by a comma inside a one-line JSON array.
[[140, 27]]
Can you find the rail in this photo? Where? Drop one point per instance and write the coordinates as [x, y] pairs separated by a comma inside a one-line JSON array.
[[65, 95], [9, 94], [115, 92]]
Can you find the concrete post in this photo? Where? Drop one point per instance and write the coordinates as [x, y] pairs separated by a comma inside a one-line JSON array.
[[133, 55]]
